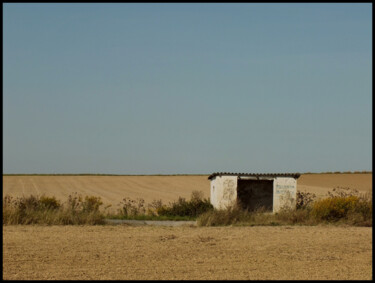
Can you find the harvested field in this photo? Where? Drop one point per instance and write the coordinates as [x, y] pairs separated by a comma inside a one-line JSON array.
[[150, 252], [112, 189], [156, 252], [320, 184]]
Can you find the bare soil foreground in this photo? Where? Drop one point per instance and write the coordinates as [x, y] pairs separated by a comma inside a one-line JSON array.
[[112, 189], [154, 252]]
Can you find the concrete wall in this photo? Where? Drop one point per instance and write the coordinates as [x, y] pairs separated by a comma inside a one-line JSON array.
[[284, 193], [223, 191]]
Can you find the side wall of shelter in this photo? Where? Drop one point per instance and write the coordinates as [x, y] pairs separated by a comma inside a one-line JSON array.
[[223, 191], [284, 193]]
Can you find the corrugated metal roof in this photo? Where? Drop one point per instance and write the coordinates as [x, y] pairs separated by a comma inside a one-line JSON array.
[[270, 175]]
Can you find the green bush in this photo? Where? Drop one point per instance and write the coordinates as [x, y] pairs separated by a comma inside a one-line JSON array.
[[192, 208]]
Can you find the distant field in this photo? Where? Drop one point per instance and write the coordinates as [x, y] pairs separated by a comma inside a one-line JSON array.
[[320, 184], [112, 189]]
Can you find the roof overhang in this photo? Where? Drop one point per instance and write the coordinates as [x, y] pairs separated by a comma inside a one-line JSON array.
[[256, 176]]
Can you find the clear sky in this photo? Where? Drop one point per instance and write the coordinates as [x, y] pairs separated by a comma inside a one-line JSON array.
[[186, 88]]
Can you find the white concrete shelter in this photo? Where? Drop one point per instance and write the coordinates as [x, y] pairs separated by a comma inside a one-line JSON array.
[[252, 191]]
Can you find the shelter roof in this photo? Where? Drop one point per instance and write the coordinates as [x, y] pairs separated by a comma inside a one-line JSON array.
[[269, 175]]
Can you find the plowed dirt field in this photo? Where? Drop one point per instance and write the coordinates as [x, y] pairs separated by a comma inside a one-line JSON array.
[[150, 252]]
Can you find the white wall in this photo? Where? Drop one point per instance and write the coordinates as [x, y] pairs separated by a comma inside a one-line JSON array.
[[284, 193], [223, 191]]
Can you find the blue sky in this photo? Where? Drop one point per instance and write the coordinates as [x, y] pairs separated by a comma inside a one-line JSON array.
[[186, 88]]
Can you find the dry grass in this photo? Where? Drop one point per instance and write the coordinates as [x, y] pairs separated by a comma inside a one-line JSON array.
[[49, 211], [79, 210], [342, 206]]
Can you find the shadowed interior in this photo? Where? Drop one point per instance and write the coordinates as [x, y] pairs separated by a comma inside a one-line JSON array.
[[253, 194]]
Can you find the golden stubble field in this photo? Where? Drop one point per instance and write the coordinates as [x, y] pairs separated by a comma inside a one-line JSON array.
[[154, 252], [157, 252]]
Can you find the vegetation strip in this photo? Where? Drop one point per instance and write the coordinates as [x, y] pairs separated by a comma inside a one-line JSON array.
[[343, 206]]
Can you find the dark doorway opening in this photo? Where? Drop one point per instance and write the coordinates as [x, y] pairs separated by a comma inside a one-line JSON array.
[[254, 194]]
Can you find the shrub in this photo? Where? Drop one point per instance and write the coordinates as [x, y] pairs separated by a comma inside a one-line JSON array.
[[335, 208], [48, 210], [132, 207], [27, 203], [49, 203], [91, 204], [73, 203], [180, 209], [344, 204], [154, 207], [304, 200], [193, 208]]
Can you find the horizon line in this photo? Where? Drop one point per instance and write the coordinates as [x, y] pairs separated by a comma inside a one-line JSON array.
[[182, 174]]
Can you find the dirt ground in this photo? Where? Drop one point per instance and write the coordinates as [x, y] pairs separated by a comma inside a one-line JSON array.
[[154, 252], [112, 189]]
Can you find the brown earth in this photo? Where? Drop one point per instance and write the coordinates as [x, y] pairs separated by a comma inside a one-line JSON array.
[[112, 189], [150, 252]]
